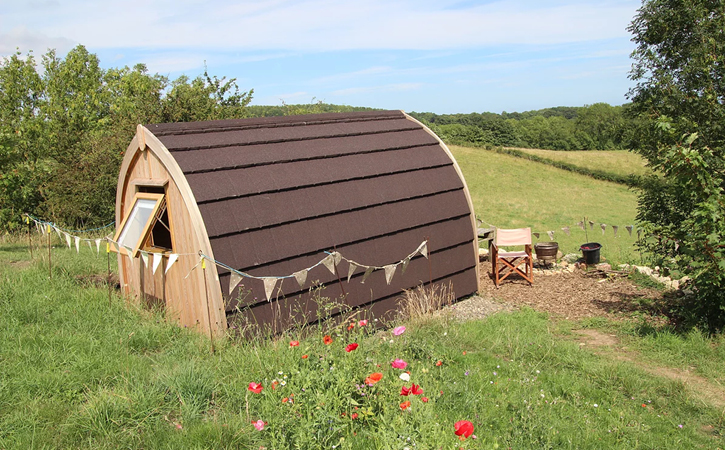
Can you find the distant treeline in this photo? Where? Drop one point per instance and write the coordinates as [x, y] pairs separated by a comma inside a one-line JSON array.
[[595, 127]]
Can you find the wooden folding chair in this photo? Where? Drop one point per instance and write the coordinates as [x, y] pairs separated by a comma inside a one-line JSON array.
[[505, 263]]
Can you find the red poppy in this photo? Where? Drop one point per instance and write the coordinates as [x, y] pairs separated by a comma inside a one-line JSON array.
[[463, 428], [464, 353], [439, 362], [285, 400], [362, 323], [327, 339], [351, 347], [405, 405], [424, 399], [353, 416], [294, 343], [373, 378], [404, 391], [350, 327], [416, 390], [274, 384], [305, 356], [254, 387]]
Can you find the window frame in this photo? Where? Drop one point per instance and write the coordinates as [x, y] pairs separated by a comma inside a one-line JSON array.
[[159, 199]]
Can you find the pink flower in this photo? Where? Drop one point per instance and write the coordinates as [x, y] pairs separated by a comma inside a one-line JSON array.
[[362, 323], [254, 387], [351, 347], [424, 399], [397, 331], [399, 364], [259, 425]]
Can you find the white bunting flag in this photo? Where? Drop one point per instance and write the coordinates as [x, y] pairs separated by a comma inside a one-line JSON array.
[[172, 259], [98, 246], [145, 258], [629, 229], [551, 235], [615, 228], [677, 246], [57, 231], [234, 279], [404, 263], [42, 229], [337, 257], [301, 277], [78, 243], [156, 259], [581, 225], [351, 270], [537, 235], [604, 227], [424, 249], [567, 231], [90, 246], [269, 284], [67, 239], [389, 272], [591, 225], [639, 234], [367, 273], [329, 262], [129, 253]]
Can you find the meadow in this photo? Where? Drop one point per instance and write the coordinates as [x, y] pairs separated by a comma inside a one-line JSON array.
[[620, 162], [84, 371]]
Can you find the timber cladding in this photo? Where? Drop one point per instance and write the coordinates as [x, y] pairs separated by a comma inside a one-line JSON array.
[[275, 193]]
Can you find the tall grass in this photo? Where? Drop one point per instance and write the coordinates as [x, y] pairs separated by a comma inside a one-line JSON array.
[[77, 372]]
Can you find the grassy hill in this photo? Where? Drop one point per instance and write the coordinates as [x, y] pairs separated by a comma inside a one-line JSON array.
[[619, 162]]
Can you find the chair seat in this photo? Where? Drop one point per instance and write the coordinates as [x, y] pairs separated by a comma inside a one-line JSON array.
[[511, 254]]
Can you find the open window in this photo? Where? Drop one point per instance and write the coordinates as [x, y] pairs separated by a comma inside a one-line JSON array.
[[146, 225]]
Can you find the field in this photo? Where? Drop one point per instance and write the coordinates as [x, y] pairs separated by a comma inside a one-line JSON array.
[[510, 192], [619, 162]]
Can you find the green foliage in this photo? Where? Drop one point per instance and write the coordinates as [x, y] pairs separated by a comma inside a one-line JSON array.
[[679, 67], [64, 128]]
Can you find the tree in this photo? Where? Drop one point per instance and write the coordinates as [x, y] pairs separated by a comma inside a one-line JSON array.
[[679, 99]]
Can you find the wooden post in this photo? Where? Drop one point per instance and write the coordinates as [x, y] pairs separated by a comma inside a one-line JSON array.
[[50, 267], [30, 241], [430, 265], [206, 296], [108, 276]]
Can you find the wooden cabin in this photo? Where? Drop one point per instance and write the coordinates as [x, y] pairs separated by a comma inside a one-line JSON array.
[[269, 196]]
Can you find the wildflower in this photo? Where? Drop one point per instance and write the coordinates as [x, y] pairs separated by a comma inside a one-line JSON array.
[[373, 378], [350, 327], [254, 387], [415, 389], [294, 343], [679, 426], [466, 373], [463, 429], [351, 347], [259, 425], [464, 353], [305, 356], [285, 400], [405, 405], [405, 376], [397, 331], [439, 363], [362, 323], [274, 384], [405, 391], [327, 339], [353, 416], [424, 399], [399, 364], [643, 405]]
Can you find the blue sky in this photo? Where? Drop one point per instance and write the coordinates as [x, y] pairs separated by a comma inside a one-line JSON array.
[[444, 56]]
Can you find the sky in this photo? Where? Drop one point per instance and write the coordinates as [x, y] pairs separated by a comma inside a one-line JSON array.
[[443, 56]]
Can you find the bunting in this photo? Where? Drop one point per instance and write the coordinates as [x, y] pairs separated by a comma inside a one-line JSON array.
[[389, 272], [566, 230], [301, 277], [269, 284], [351, 270], [629, 229], [615, 228], [604, 227], [234, 279], [551, 235], [156, 259], [172, 259]]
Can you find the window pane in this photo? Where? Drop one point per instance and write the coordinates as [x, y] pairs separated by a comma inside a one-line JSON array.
[[136, 222]]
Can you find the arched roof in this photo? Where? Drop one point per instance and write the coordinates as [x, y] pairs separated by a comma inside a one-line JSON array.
[[275, 193]]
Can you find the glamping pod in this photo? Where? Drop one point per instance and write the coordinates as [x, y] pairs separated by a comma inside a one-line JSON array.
[[271, 197]]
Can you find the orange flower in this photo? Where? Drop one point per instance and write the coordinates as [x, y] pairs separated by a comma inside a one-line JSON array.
[[405, 405], [353, 416], [285, 400], [373, 378], [438, 363], [294, 343], [464, 353], [305, 356], [350, 327], [274, 384], [327, 339]]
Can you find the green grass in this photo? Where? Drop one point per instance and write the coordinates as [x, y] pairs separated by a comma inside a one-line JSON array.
[[619, 162], [76, 372], [511, 192]]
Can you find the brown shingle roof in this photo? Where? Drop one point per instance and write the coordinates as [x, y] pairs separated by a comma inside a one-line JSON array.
[[275, 193]]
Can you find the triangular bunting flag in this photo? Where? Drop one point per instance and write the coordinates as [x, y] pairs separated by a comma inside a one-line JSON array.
[[78, 243], [156, 259], [677, 246], [639, 234], [551, 235], [591, 225], [301, 277], [67, 239], [269, 284], [615, 228], [581, 225], [234, 279], [351, 270], [172, 259], [367, 273], [43, 229], [389, 272], [566, 230], [404, 263], [129, 253], [629, 229], [424, 249], [58, 232], [604, 227], [337, 258], [537, 235], [88, 241], [98, 246], [145, 258], [329, 262]]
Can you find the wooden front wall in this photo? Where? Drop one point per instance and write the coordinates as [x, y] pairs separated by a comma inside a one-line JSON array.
[[184, 299]]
